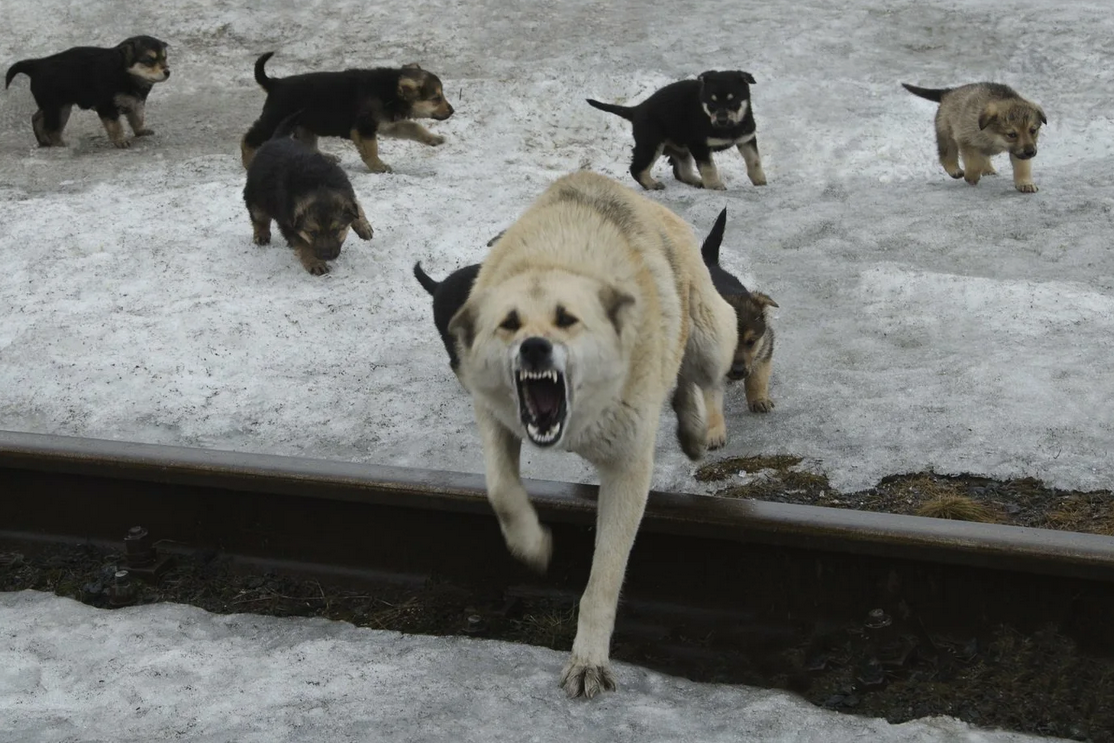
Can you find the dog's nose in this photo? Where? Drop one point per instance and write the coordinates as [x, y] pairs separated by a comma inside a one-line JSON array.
[[535, 352], [166, 70], [1030, 151]]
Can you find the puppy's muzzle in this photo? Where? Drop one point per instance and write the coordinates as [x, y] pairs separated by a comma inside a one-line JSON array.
[[738, 371], [1026, 153], [444, 113]]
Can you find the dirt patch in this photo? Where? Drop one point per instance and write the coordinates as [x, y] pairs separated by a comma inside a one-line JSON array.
[[886, 665], [1020, 502]]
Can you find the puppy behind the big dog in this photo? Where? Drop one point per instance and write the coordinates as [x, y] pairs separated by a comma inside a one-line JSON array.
[[585, 314], [981, 120], [359, 105], [307, 194], [110, 80], [755, 350], [449, 295], [690, 120]]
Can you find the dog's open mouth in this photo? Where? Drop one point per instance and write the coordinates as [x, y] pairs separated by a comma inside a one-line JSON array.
[[542, 404]]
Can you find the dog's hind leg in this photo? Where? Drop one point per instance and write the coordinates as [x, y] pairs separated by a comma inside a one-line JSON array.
[[411, 130], [309, 139], [749, 151], [260, 225], [253, 139], [368, 147], [48, 124], [948, 150], [39, 127], [624, 488], [717, 425], [526, 538], [642, 162], [683, 168], [692, 429]]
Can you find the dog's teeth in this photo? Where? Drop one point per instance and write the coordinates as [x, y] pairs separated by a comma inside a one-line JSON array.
[[532, 430]]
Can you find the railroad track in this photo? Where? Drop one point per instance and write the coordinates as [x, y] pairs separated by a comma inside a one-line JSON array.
[[716, 588]]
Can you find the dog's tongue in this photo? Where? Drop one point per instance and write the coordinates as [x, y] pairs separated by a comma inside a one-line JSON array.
[[546, 398]]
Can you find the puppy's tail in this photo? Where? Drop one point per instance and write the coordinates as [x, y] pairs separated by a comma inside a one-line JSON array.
[[627, 112], [932, 94], [423, 278], [710, 249], [287, 125], [261, 74], [25, 66]]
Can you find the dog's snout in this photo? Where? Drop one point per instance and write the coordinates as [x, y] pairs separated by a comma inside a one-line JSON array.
[[166, 71], [536, 352], [1029, 151]]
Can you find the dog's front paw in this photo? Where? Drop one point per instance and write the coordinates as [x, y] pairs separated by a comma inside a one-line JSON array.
[[379, 167], [1026, 187], [531, 545], [261, 238], [362, 228], [121, 144], [714, 185], [584, 679], [758, 179], [145, 132], [957, 174], [763, 405], [989, 170], [434, 140], [717, 437], [317, 268], [972, 178]]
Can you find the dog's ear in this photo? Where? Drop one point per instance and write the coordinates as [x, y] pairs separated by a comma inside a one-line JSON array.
[[988, 116], [763, 300], [704, 74], [1040, 112], [409, 87], [127, 48], [463, 325], [746, 77], [352, 211], [618, 305], [412, 66]]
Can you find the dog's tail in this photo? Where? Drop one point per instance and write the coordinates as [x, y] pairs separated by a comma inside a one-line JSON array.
[[627, 112], [287, 125], [932, 94], [710, 249], [261, 74], [423, 278], [25, 66]]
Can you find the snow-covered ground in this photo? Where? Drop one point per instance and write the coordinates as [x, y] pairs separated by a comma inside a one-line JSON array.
[[923, 323], [69, 672]]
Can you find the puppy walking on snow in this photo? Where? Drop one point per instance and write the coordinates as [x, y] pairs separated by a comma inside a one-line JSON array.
[[690, 120], [112, 81], [307, 194], [585, 314], [981, 120]]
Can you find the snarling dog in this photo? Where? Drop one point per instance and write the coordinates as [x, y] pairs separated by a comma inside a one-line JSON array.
[[110, 80], [449, 295], [690, 120], [585, 314], [307, 194], [360, 105], [754, 352], [980, 120]]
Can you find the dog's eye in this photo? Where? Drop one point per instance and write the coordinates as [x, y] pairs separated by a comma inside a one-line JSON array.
[[730, 96], [1034, 130], [749, 342], [715, 97], [1011, 135], [564, 319], [511, 322]]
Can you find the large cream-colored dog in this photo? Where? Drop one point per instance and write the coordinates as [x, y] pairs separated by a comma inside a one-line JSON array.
[[585, 314]]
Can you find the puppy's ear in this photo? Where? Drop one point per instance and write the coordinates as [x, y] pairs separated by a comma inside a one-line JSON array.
[[127, 48], [618, 305], [1040, 112], [412, 66], [409, 88], [988, 116], [747, 78], [463, 325], [763, 300], [702, 75]]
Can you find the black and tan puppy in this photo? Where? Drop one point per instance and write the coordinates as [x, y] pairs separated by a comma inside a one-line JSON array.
[[360, 105], [110, 80], [755, 352], [307, 194], [690, 120], [981, 120], [449, 296]]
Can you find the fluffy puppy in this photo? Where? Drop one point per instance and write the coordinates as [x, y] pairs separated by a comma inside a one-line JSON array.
[[690, 120], [754, 352], [111, 80], [449, 296], [307, 194], [981, 120], [360, 105], [585, 314]]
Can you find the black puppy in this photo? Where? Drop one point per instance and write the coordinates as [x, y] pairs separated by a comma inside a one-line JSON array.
[[358, 105], [755, 350], [113, 81], [449, 296], [307, 194], [692, 119]]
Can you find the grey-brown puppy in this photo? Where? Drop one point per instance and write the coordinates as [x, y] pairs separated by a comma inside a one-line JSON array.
[[980, 120], [307, 194]]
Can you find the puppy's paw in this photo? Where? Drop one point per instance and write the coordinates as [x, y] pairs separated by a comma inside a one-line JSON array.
[[261, 238], [433, 140], [714, 185], [717, 436], [652, 185], [694, 445], [317, 268], [763, 405], [362, 228], [121, 144], [972, 180], [989, 170], [532, 545], [1026, 187], [957, 174], [145, 132], [758, 179], [584, 679], [379, 167]]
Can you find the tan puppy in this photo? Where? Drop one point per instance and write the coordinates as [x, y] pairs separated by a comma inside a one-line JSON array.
[[585, 314], [981, 120]]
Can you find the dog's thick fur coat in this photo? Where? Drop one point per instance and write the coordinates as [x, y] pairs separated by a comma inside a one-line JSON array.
[[586, 313], [111, 80], [355, 104], [980, 120]]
